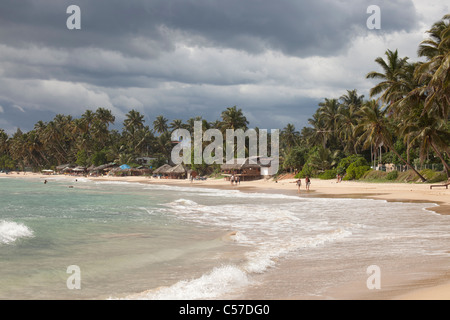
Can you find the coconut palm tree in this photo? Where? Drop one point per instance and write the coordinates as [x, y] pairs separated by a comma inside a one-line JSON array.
[[430, 132], [347, 119], [394, 85], [289, 137], [328, 113], [176, 124], [233, 118], [318, 132], [374, 129], [160, 124], [435, 73], [3, 142], [133, 124]]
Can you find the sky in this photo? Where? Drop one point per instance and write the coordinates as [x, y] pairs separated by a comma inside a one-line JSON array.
[[275, 60]]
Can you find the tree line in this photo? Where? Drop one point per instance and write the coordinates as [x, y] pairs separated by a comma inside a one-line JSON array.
[[405, 121]]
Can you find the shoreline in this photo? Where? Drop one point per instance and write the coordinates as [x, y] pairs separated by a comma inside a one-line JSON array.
[[438, 199]]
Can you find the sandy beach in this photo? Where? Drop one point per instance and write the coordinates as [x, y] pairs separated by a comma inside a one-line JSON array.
[[438, 198]]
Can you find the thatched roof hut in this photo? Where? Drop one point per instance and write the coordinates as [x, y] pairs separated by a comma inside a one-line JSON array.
[[164, 169], [104, 166], [63, 167], [242, 168], [239, 164], [178, 169]]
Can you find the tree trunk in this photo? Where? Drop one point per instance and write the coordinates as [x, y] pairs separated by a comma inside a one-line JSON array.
[[409, 165], [446, 166]]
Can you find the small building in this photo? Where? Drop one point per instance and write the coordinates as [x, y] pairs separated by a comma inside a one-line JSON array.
[[103, 169], [241, 168], [177, 172], [168, 172], [163, 171], [64, 167], [252, 168]]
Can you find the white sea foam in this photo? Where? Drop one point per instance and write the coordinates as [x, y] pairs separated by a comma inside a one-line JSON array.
[[12, 231], [268, 232], [211, 285]]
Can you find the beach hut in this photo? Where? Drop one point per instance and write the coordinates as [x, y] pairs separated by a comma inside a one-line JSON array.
[[243, 168], [64, 167], [103, 169], [162, 171], [177, 172], [47, 172]]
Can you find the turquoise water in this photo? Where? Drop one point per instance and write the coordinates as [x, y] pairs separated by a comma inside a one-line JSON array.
[[140, 241], [116, 233]]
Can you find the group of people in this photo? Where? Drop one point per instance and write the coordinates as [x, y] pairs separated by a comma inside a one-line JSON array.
[[235, 179], [307, 183]]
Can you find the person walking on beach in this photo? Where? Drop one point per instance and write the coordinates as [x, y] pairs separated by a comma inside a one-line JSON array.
[[232, 179], [307, 182]]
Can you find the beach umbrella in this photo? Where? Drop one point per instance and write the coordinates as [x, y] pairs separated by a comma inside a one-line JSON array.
[[125, 166]]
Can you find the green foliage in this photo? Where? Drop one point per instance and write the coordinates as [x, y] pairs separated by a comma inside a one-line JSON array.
[[374, 175], [7, 163], [99, 158], [295, 158], [346, 162], [307, 170], [82, 158], [393, 175], [433, 176], [328, 174], [355, 171]]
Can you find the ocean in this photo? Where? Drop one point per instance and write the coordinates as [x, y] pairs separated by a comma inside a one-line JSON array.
[[149, 241]]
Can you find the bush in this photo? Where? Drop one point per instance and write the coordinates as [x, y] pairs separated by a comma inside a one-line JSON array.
[[355, 172], [433, 176], [407, 176], [374, 175], [346, 162], [328, 174], [393, 175], [307, 170]]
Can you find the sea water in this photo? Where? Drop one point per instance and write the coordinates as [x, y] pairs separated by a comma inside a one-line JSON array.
[[149, 241]]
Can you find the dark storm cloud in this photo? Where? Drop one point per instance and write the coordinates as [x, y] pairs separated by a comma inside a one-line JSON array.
[[179, 58], [301, 28]]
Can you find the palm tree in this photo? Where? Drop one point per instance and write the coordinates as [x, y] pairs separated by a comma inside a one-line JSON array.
[[393, 85], [322, 159], [133, 123], [233, 118], [431, 132], [435, 73], [329, 114], [176, 124], [160, 124], [289, 136], [374, 129], [318, 132], [3, 142], [347, 119]]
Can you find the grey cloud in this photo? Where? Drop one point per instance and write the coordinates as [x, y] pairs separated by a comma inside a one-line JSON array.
[[130, 54], [143, 28]]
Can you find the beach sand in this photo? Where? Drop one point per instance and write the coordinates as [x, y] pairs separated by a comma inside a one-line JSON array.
[[438, 198]]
